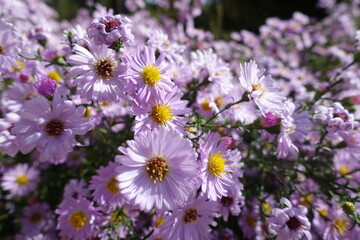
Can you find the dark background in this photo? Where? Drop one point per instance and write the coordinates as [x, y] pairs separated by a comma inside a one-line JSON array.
[[234, 14]]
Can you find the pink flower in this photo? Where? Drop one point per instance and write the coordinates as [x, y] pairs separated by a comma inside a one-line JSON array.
[[50, 127], [158, 169]]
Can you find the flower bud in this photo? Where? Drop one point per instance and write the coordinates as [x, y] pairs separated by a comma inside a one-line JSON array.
[[44, 85], [348, 207]]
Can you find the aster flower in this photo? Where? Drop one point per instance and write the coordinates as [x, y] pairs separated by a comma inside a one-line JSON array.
[[78, 219], [149, 75], [163, 111], [232, 202], [109, 29], [105, 186], [36, 218], [96, 70], [337, 118], [16, 95], [50, 127], [216, 166], [44, 85], [260, 88], [8, 142], [20, 180], [289, 222], [76, 188], [191, 221], [158, 169], [11, 45]]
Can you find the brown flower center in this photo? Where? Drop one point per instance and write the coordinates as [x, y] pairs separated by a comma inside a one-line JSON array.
[[35, 218], [105, 68], [293, 223], [190, 215], [2, 49], [227, 201], [111, 25], [157, 168], [54, 127], [342, 116]]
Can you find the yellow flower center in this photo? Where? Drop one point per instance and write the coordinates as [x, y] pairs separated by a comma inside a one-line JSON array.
[[266, 208], [161, 114], [343, 170], [306, 200], [112, 186], [323, 212], [216, 164], [78, 219], [35, 218], [341, 225], [21, 66], [190, 215], [206, 105], [87, 112], [219, 101], [106, 103], [54, 76], [22, 180], [151, 75], [157, 168], [159, 221], [256, 87]]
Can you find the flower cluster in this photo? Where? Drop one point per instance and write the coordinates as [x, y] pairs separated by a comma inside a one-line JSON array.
[[138, 127]]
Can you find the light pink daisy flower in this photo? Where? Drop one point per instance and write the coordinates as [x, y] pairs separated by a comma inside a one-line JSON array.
[[78, 219], [96, 70], [149, 75], [11, 45], [216, 166], [191, 221], [290, 222], [8, 142], [20, 180], [50, 127], [105, 186], [164, 111], [36, 218], [158, 169], [260, 88]]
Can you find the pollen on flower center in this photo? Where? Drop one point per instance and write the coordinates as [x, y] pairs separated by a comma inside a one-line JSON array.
[[293, 223], [112, 186], [256, 87], [341, 225], [54, 127], [161, 113], [2, 49], [151, 75], [54, 76], [205, 105], [227, 201], [78, 219], [22, 180], [35, 218], [105, 68], [111, 25], [216, 164], [157, 168], [190, 215]]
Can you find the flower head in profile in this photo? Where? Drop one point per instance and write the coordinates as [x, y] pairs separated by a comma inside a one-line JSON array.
[[290, 222], [158, 169], [216, 166], [96, 70], [105, 186], [260, 88], [20, 180], [191, 221], [78, 219], [109, 29], [164, 111], [148, 75], [11, 45], [50, 127]]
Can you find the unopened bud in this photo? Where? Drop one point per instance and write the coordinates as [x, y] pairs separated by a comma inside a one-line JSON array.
[[44, 85], [348, 207]]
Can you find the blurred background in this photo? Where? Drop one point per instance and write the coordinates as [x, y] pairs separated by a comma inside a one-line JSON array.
[[234, 14]]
